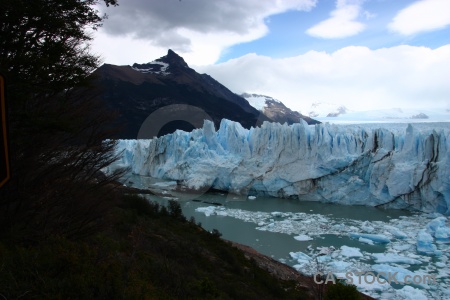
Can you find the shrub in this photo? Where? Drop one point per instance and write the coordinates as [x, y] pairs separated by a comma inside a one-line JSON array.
[[175, 211], [342, 291]]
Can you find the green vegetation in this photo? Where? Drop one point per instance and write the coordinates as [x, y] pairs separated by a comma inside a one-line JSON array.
[[342, 291], [57, 141], [148, 252]]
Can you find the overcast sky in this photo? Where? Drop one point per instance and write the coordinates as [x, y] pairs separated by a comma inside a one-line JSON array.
[[364, 54]]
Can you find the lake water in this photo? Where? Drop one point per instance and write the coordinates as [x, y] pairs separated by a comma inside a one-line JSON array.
[[276, 244], [287, 230]]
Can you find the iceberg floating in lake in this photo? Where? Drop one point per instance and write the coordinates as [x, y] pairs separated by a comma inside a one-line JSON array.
[[409, 292], [397, 233], [330, 163], [301, 258], [377, 238], [394, 258], [425, 244], [303, 237], [398, 274], [338, 265], [351, 251], [439, 230]]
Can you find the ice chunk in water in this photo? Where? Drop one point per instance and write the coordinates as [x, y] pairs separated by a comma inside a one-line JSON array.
[[364, 240], [300, 256], [351, 251], [394, 258], [397, 273], [208, 211], [302, 237], [425, 244], [438, 229], [435, 224], [397, 233], [409, 292], [377, 238], [338, 266]]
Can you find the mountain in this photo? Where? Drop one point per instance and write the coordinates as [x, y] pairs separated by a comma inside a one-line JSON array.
[[337, 164], [326, 110], [276, 110], [335, 113], [158, 97], [393, 115]]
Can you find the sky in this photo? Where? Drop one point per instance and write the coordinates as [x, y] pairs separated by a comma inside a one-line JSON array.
[[363, 54]]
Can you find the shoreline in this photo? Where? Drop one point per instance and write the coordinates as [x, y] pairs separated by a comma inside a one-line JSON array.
[[281, 270]]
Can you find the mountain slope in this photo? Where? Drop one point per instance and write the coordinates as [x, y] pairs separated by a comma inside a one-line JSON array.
[[147, 251], [172, 94], [276, 110]]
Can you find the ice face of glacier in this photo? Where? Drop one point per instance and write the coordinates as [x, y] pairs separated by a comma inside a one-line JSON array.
[[325, 162]]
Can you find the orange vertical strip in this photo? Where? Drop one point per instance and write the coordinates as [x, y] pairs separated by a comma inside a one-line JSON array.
[[4, 130]]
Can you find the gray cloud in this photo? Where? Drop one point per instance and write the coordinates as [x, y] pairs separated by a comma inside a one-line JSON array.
[[159, 21]]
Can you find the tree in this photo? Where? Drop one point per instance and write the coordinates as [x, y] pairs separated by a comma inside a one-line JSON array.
[[342, 291], [175, 210], [57, 136], [44, 43]]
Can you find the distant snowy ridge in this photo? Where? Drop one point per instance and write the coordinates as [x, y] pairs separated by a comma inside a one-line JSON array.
[[326, 110], [330, 163], [275, 110], [387, 115], [259, 101], [339, 114]]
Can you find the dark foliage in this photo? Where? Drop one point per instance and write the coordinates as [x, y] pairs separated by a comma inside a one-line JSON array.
[[341, 291], [43, 42], [145, 254], [175, 211], [56, 130]]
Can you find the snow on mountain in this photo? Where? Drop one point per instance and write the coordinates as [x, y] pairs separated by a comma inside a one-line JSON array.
[[340, 114], [326, 110], [330, 163], [259, 101], [275, 109], [154, 67]]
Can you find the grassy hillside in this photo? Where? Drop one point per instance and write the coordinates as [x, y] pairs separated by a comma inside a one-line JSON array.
[[148, 252]]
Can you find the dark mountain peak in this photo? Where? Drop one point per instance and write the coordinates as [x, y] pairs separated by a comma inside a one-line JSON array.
[[164, 65], [173, 59], [185, 97]]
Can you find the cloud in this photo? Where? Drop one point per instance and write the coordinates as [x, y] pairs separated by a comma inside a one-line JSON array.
[[196, 29], [357, 77], [421, 16], [342, 22]]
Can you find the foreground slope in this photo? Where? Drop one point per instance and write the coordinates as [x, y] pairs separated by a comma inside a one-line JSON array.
[[148, 252], [325, 163]]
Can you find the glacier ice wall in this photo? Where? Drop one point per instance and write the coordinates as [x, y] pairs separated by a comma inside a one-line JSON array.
[[346, 165]]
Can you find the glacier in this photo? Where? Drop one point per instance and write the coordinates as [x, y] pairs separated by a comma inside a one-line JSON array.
[[325, 162]]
